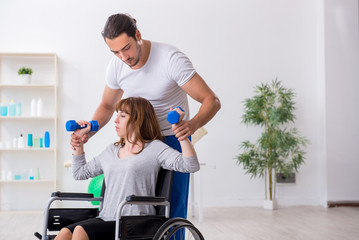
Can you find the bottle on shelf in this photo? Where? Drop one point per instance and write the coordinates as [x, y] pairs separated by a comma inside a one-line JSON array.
[[36, 142], [3, 175], [3, 108], [14, 142], [17, 175], [47, 139], [33, 107], [37, 175], [29, 140], [18, 109], [21, 142], [39, 107], [9, 176], [12, 108], [31, 174]]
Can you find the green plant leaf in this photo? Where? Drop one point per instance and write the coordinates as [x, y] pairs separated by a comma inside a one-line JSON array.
[[24, 70], [277, 149]]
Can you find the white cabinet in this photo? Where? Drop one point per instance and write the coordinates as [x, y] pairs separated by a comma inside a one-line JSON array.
[[17, 190]]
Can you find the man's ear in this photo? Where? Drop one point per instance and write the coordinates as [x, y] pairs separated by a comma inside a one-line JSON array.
[[138, 36]]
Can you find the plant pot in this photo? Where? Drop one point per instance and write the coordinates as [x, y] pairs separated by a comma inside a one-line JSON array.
[[270, 204], [25, 78]]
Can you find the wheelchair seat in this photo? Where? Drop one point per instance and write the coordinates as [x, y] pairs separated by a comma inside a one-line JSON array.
[[157, 226]]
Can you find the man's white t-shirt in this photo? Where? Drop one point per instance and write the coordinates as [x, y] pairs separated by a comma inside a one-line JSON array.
[[159, 80]]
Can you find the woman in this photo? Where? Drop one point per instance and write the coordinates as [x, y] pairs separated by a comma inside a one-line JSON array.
[[130, 166]]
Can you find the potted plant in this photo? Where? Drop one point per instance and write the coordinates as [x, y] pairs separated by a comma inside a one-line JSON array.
[[25, 75], [279, 149]]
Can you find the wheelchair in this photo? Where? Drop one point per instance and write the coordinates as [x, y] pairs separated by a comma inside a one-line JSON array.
[[156, 227]]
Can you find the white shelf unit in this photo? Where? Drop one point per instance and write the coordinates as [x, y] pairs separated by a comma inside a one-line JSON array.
[[25, 194]]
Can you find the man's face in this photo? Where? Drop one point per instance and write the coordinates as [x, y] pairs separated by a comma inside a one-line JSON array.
[[126, 48]]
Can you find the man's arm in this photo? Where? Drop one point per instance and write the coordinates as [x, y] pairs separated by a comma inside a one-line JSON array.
[[103, 113], [199, 91], [105, 110]]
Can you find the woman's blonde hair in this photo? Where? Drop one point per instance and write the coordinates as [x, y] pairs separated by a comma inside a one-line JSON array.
[[142, 117]]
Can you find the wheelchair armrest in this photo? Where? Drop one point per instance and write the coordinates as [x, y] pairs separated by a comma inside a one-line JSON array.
[[134, 198], [140, 200], [66, 196], [71, 195]]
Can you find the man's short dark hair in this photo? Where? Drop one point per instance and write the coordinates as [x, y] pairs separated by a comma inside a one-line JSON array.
[[119, 23]]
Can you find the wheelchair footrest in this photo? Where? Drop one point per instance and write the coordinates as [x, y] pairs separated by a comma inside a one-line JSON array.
[[47, 237], [140, 227]]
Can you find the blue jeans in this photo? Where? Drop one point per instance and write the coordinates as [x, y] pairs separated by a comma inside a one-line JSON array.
[[180, 186]]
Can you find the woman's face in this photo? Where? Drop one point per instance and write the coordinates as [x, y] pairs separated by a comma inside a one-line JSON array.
[[121, 124]]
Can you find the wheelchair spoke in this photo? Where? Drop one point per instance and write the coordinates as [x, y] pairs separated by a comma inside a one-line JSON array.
[[178, 229], [184, 232]]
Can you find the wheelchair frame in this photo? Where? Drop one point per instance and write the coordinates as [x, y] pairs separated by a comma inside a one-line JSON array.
[[163, 194], [63, 196]]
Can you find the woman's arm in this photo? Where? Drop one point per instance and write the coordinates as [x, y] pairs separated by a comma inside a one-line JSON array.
[[186, 145], [79, 150], [171, 159], [81, 169], [187, 148]]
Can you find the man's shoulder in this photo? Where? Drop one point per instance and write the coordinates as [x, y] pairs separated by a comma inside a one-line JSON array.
[[164, 47]]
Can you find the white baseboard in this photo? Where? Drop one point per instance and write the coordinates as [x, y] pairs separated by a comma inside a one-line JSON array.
[[258, 202]]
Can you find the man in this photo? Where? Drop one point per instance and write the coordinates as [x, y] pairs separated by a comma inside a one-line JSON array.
[[163, 75]]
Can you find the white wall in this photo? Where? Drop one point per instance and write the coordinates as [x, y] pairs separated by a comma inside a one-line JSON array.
[[234, 44], [342, 112]]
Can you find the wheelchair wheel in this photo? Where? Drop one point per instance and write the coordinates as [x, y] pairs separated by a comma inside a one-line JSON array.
[[174, 225]]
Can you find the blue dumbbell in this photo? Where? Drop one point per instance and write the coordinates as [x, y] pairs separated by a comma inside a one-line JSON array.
[[174, 117], [72, 125]]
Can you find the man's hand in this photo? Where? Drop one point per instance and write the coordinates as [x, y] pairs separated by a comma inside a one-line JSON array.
[[76, 140], [80, 135], [183, 129]]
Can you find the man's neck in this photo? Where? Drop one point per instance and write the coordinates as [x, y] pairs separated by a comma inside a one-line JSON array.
[[146, 49]]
